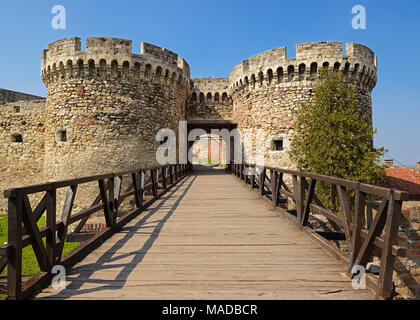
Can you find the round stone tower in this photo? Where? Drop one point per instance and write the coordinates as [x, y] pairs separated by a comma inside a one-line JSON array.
[[105, 105], [267, 87]]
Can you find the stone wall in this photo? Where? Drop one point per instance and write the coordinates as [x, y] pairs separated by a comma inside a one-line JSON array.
[[13, 96], [210, 100], [109, 103], [105, 104], [407, 269], [22, 126], [267, 87]]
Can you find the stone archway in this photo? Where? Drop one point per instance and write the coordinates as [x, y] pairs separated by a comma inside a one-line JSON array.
[[217, 148]]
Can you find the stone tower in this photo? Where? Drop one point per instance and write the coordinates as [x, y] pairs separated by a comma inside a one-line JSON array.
[[268, 86], [105, 105]]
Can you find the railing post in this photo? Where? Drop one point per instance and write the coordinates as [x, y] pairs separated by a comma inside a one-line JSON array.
[[274, 190], [111, 190], [105, 200], [51, 218], [299, 190], [136, 186], [142, 185], [171, 177], [164, 176], [117, 194], [246, 171], [14, 271], [261, 182], [358, 222], [307, 208], [153, 179], [252, 183], [302, 183], [390, 236]]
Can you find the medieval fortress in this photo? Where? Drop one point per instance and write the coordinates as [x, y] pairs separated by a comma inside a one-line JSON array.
[[105, 105]]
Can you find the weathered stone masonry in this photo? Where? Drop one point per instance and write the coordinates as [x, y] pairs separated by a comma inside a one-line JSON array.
[[105, 105], [13, 96], [267, 87], [110, 103], [210, 100]]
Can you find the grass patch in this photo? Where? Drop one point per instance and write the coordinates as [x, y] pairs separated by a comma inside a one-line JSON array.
[[29, 261], [205, 160]]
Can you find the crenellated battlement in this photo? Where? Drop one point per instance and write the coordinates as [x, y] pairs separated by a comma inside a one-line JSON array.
[[210, 90], [359, 64], [112, 58]]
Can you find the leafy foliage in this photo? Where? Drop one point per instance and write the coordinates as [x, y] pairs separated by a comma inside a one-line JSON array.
[[333, 138]]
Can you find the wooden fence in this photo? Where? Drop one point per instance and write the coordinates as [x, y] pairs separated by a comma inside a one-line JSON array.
[[145, 186], [361, 239]]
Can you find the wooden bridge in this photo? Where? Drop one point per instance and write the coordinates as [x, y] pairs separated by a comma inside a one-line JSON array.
[[203, 234]]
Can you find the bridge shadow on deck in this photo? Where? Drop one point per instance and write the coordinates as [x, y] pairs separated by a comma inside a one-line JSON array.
[[222, 243], [85, 271], [208, 170]]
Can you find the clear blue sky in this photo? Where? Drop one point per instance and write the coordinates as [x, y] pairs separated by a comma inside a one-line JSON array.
[[213, 36]]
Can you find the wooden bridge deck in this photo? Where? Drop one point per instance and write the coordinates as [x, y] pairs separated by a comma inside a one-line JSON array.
[[208, 238]]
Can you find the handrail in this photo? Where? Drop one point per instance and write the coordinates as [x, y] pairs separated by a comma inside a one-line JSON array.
[[22, 219], [361, 241]]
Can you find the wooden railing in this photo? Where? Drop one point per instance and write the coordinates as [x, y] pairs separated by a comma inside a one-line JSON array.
[[361, 239], [145, 185]]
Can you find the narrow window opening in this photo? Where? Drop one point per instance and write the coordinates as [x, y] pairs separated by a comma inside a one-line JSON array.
[[279, 74], [270, 76], [16, 137], [302, 70], [314, 70], [63, 136], [278, 144], [291, 73], [17, 109]]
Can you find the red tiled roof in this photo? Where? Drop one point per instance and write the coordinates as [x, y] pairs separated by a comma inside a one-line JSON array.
[[404, 179]]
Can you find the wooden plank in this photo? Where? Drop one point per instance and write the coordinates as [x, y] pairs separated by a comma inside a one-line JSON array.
[[261, 181], [85, 214], [3, 262], [274, 194], [390, 236], [41, 207], [306, 210], [33, 231], [116, 200], [88, 213], [51, 224], [136, 186], [208, 238], [153, 175], [345, 213], [106, 203], [65, 218], [328, 214], [374, 231], [358, 222]]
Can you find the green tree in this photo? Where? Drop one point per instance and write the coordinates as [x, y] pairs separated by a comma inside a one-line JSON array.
[[332, 137]]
